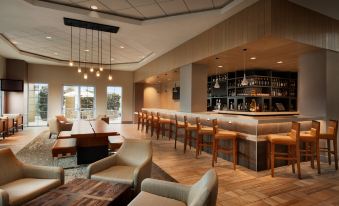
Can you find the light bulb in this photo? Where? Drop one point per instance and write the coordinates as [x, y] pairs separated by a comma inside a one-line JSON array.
[[71, 63], [79, 69], [85, 76], [91, 69], [98, 74], [101, 69], [110, 77]]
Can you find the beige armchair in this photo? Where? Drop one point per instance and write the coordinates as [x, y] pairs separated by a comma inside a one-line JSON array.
[[20, 183], [130, 165], [63, 123], [53, 127], [158, 192]]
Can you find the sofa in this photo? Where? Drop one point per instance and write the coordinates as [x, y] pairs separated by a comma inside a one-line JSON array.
[[20, 183], [157, 192], [131, 164]]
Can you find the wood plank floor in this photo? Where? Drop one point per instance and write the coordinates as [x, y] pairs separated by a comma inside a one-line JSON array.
[[240, 187]]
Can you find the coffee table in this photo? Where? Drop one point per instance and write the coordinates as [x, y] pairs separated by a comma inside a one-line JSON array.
[[85, 192]]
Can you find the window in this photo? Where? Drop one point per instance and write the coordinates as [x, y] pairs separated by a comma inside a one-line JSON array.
[[114, 95], [79, 102], [37, 104]]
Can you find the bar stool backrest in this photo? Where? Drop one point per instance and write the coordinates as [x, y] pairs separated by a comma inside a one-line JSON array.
[[295, 131], [315, 130], [176, 120], [198, 122], [215, 126], [332, 128]]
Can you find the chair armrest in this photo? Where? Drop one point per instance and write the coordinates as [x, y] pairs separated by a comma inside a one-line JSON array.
[[66, 126], [4, 198], [44, 172], [101, 165], [142, 172], [166, 189]]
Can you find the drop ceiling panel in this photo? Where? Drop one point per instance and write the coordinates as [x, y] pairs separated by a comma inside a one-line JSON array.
[[129, 12], [173, 6], [137, 3], [221, 3], [197, 5], [151, 10], [116, 4]]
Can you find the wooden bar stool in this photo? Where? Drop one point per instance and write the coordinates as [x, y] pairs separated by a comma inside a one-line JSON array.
[[293, 143], [148, 121], [311, 139], [139, 119], [331, 135], [224, 135], [189, 128], [201, 132], [178, 125], [155, 124], [163, 122], [143, 120]]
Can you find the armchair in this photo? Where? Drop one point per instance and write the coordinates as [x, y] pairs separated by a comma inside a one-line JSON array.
[[64, 123], [21, 182], [130, 165], [53, 127], [158, 192]]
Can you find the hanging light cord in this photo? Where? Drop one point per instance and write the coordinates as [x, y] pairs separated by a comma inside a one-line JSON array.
[[110, 53], [79, 46], [101, 46], [98, 50], [71, 43], [92, 49], [86, 51]]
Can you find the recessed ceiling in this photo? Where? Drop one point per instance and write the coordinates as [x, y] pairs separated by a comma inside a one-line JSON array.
[[267, 53], [25, 25], [145, 9]]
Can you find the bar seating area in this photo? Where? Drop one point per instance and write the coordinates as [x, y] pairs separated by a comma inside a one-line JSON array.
[[169, 102]]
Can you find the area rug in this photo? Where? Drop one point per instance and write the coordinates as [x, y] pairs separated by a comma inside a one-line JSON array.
[[38, 152]]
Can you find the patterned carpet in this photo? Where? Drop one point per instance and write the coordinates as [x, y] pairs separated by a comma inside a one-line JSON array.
[[38, 152]]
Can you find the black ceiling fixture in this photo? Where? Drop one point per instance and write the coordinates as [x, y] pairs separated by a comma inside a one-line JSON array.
[[90, 25]]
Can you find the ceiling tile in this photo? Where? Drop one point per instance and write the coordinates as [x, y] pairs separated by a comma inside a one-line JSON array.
[[221, 3], [116, 4], [141, 2], [196, 5], [129, 12], [173, 6], [150, 11]]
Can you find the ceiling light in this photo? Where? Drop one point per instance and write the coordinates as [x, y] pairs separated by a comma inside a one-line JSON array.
[[253, 58], [97, 74], [79, 69], [122, 47], [93, 7], [91, 69], [110, 77], [14, 42], [101, 69], [244, 81], [85, 76], [220, 66], [71, 60], [48, 37], [55, 53], [112, 59], [71, 63], [86, 50], [280, 62]]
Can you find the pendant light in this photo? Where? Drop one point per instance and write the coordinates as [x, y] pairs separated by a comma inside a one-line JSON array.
[[98, 72], [110, 59], [101, 68], [85, 74], [175, 88], [216, 85], [71, 60], [91, 69], [244, 81], [79, 67]]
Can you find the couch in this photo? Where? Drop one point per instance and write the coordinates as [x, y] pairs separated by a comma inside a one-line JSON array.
[[20, 183], [157, 192]]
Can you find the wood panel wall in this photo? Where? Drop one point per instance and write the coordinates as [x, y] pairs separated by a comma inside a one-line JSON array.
[[246, 26]]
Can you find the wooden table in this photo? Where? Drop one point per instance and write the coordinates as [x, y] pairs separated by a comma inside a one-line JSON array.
[[85, 192], [92, 139]]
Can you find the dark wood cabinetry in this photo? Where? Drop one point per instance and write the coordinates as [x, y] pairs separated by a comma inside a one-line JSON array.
[[270, 90]]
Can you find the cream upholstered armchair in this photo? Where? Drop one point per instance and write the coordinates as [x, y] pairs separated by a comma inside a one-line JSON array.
[[20, 183], [53, 127], [130, 165], [158, 192]]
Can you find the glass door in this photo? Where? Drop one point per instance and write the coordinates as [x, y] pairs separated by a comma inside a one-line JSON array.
[[114, 104], [37, 104]]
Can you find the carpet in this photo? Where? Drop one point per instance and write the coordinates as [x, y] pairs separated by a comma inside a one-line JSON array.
[[38, 152]]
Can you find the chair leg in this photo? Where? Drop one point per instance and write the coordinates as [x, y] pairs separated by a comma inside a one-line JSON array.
[[335, 145], [214, 148], [297, 150], [234, 153], [176, 137], [312, 154], [272, 159], [318, 155], [292, 153], [268, 153], [158, 130], [50, 135], [170, 131], [329, 151], [197, 146], [185, 140], [152, 128], [138, 124]]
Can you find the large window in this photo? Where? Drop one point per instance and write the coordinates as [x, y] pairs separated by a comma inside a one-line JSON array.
[[114, 95], [79, 102], [37, 104]]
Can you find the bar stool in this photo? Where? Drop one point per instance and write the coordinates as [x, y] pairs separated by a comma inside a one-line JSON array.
[[154, 123], [139, 119], [311, 139], [201, 132], [189, 128], [293, 143], [148, 121], [224, 135], [331, 135], [143, 120], [163, 122], [178, 125]]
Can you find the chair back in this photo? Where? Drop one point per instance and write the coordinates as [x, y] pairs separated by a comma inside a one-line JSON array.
[[295, 131], [332, 128], [205, 191], [10, 123], [53, 126], [10, 167], [134, 152], [215, 126], [197, 120], [61, 118], [19, 120], [315, 129], [2, 125]]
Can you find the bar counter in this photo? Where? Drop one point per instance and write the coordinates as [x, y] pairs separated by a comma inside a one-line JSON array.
[[252, 131]]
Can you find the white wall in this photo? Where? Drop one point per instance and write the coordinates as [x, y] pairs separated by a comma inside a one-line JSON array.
[[57, 76]]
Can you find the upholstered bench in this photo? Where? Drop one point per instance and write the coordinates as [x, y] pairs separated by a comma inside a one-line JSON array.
[[64, 148], [64, 135], [115, 142]]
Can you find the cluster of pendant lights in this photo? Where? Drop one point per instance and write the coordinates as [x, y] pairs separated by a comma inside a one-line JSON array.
[[94, 66], [244, 81]]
